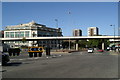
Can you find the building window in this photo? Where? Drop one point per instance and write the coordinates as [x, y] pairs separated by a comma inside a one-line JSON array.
[[7, 35], [16, 34], [11, 34], [22, 34], [26, 33]]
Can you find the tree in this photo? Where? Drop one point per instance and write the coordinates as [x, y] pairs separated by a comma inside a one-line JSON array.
[[93, 43], [97, 43], [82, 43], [65, 44]]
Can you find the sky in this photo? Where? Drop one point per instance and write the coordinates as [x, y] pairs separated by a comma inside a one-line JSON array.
[[70, 15]]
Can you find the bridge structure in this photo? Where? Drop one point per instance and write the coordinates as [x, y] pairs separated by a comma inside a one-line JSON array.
[[64, 38]]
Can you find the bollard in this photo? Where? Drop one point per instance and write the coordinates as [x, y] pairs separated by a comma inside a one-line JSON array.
[[48, 51]]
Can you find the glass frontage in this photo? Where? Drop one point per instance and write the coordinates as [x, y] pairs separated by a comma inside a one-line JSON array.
[[26, 33], [22, 34], [17, 34], [11, 34], [7, 34]]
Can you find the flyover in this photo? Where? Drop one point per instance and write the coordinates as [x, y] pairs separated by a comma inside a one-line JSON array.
[[63, 38]]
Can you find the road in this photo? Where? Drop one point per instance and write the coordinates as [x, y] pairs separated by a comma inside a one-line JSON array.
[[67, 65]]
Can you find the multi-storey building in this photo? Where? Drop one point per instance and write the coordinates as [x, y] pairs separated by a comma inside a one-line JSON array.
[[32, 29], [2, 34], [77, 32], [93, 31]]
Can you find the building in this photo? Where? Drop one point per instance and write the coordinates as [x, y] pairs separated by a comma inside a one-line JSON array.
[[2, 34], [93, 31], [32, 29], [77, 32]]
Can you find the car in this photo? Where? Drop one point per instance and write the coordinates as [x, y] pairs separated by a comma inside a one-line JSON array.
[[108, 48], [90, 50], [100, 50], [14, 51], [5, 58], [36, 51]]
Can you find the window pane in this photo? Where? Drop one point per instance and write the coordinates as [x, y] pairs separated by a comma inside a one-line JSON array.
[[11, 34], [26, 33]]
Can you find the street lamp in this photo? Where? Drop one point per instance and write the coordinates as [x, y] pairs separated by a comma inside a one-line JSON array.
[[56, 23], [56, 32], [114, 33], [69, 38]]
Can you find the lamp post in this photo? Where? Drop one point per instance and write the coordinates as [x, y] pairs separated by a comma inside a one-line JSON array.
[[114, 33], [56, 32], [69, 38], [56, 23]]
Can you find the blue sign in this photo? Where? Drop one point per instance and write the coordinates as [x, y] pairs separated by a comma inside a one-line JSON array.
[[34, 49]]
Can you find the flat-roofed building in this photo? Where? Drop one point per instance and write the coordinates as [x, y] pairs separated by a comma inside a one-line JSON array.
[[93, 31], [77, 32], [32, 29]]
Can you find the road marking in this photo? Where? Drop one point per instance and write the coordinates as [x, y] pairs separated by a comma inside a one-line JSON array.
[[26, 59], [21, 59], [13, 59], [30, 58], [36, 58], [47, 57]]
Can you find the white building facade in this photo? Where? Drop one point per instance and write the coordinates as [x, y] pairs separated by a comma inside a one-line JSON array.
[[32, 29], [77, 32], [93, 31]]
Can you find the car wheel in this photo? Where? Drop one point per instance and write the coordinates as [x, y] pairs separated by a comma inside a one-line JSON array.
[[35, 54], [30, 54], [40, 54]]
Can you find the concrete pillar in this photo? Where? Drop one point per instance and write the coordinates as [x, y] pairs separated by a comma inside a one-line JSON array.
[[76, 47], [103, 46]]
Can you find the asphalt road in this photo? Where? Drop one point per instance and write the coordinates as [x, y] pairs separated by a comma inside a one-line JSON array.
[[69, 65]]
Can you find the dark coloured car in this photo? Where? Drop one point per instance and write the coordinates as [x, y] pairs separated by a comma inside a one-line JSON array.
[[5, 59], [14, 51]]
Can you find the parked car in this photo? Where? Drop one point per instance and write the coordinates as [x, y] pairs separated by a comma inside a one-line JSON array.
[[5, 59], [100, 50], [108, 48], [36, 51], [90, 50]]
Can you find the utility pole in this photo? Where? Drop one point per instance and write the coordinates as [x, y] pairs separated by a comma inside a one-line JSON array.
[[56, 33], [69, 38], [56, 23], [114, 34]]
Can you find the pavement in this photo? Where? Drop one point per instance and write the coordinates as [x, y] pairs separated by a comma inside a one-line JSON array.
[[114, 53]]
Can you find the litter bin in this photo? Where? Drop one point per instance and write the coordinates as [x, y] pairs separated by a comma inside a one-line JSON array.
[[48, 51]]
